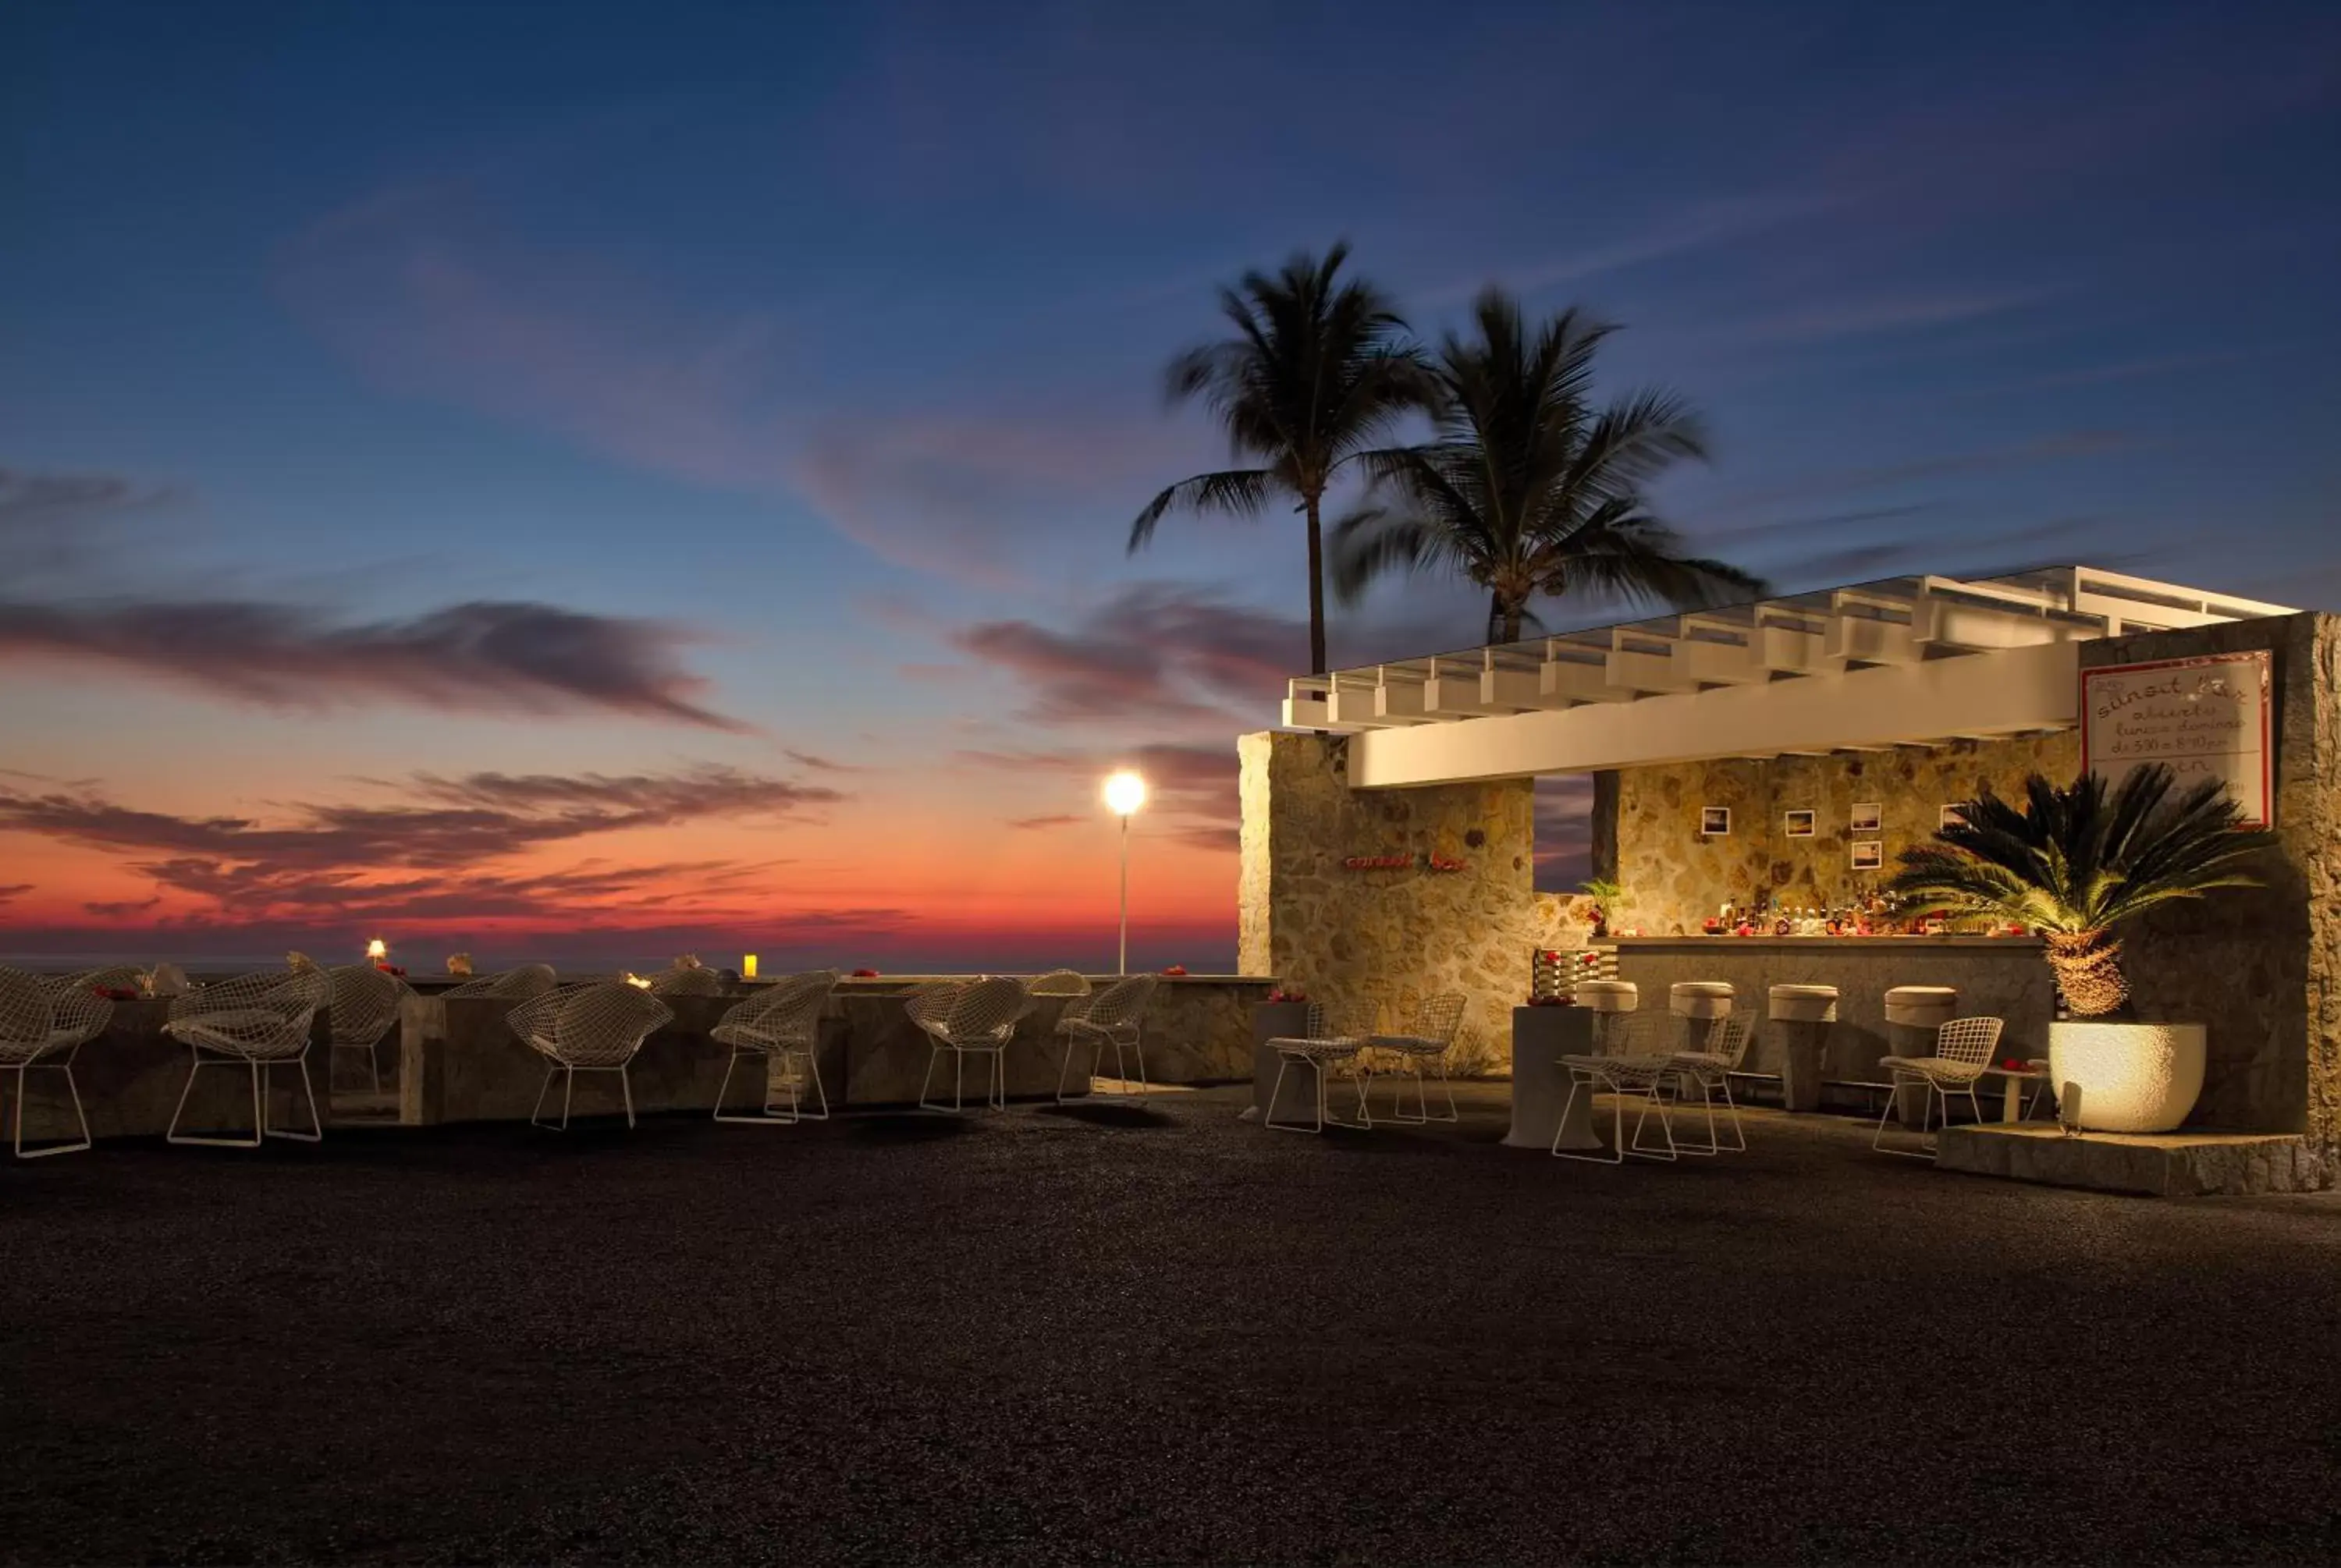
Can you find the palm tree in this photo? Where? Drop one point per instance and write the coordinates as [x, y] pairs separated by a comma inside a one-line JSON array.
[[2073, 863], [1318, 371], [1527, 488]]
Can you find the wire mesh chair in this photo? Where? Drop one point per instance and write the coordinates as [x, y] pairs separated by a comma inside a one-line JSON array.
[[1329, 1043], [524, 983], [263, 1022], [1058, 983], [687, 980], [363, 1003], [112, 978], [1633, 1062], [595, 1028], [1427, 1035], [41, 1024], [1708, 1070], [976, 1019], [781, 1026], [1114, 1017], [1963, 1050]]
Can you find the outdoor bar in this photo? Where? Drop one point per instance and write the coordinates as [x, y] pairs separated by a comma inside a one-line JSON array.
[[1756, 772]]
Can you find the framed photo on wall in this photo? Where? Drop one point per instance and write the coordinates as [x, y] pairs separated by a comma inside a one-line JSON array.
[[1713, 821], [1868, 817], [1801, 824], [1869, 855]]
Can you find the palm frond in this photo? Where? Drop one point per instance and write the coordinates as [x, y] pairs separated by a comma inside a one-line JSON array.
[[1231, 493], [2085, 858], [1527, 488]]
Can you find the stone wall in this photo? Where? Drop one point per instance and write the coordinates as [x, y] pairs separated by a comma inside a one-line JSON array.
[[1675, 877], [2262, 967], [1387, 936]]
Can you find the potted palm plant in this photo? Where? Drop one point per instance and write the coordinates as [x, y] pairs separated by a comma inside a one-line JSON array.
[[2073, 865], [1606, 896]]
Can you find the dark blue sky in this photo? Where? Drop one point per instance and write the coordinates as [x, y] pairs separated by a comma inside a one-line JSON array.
[[807, 356]]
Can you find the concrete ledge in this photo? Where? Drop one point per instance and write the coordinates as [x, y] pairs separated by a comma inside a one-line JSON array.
[[2166, 1164]]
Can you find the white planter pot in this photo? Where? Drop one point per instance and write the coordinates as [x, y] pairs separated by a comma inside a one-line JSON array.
[[2131, 1078]]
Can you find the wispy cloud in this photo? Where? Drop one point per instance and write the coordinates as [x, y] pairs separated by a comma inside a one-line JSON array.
[[427, 294], [1832, 320], [485, 657], [1153, 651], [441, 848], [11, 891], [1677, 231]]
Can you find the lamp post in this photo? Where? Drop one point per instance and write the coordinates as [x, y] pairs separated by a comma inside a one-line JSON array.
[[1125, 793]]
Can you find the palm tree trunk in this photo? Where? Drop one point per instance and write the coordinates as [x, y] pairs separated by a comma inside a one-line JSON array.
[[1316, 585], [2089, 971], [1503, 618]]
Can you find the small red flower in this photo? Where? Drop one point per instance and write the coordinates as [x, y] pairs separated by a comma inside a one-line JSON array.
[[1176, 971], [865, 974]]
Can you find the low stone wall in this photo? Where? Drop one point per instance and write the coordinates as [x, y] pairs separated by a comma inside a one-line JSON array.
[[462, 1063], [131, 1077]]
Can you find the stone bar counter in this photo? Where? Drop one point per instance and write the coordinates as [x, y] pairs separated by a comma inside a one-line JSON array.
[[2004, 978], [460, 1063]]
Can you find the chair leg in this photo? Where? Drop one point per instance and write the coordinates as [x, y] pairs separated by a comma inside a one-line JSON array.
[[1713, 1146], [999, 1079], [316, 1132], [820, 1094], [373, 1065], [1731, 1114], [767, 1116], [934, 1054], [1577, 1083], [1447, 1089], [1065, 1070], [1283, 1065], [71, 1093], [1877, 1140], [1138, 1049], [1652, 1102], [174, 1135], [725, 1089], [1398, 1096], [626, 1091], [537, 1110]]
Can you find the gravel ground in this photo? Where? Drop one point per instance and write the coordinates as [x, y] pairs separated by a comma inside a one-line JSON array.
[[1075, 1336]]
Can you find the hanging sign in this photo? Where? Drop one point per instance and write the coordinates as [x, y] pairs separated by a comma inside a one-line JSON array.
[[2204, 717]]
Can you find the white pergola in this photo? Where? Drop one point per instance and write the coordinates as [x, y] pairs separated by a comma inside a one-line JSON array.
[[1904, 661]]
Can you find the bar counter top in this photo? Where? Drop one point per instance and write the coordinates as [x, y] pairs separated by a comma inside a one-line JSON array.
[[1897, 944]]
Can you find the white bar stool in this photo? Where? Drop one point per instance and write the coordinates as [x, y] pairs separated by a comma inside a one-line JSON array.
[[1607, 997], [1802, 1015], [1700, 1001], [1913, 1016]]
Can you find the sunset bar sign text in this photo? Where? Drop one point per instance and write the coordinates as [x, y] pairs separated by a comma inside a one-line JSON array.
[[2205, 718]]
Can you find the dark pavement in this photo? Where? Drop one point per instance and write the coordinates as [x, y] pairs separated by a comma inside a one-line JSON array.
[[1044, 1336]]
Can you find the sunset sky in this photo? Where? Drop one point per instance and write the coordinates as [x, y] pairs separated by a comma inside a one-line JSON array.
[[606, 481]]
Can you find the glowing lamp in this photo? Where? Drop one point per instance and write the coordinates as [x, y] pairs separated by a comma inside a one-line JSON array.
[[377, 950], [637, 981], [1124, 793], [748, 965]]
